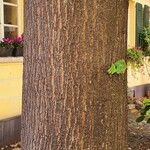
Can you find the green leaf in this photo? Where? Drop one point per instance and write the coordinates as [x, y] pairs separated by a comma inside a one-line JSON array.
[[148, 113], [140, 119], [145, 109], [146, 102], [112, 69], [118, 67]]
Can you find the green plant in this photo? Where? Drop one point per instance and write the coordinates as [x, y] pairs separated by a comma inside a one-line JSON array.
[[18, 41], [6, 43], [135, 58], [119, 67], [144, 37], [145, 112]]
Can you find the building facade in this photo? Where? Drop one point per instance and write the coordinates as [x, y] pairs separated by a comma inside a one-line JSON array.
[[11, 25], [138, 17]]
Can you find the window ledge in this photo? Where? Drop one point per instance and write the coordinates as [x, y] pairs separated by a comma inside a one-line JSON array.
[[11, 59]]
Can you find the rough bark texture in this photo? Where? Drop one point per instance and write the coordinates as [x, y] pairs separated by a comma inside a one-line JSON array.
[[70, 102]]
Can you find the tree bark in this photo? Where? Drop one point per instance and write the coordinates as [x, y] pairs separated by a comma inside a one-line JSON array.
[[69, 100]]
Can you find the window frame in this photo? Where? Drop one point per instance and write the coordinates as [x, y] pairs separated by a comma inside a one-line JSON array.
[[2, 24]]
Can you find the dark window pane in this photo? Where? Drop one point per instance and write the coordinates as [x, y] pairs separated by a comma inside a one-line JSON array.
[[10, 15], [11, 1], [10, 32]]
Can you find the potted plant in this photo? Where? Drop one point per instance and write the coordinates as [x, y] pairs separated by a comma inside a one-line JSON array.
[[18, 46], [6, 47]]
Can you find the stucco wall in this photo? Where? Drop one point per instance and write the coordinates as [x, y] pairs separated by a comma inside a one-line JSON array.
[[139, 77], [10, 87], [131, 23], [144, 2]]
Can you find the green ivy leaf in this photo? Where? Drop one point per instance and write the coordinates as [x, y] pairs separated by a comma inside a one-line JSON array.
[[145, 109], [146, 102], [118, 67], [148, 113], [112, 69]]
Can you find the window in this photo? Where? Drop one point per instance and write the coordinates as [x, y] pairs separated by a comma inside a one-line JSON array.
[[9, 22]]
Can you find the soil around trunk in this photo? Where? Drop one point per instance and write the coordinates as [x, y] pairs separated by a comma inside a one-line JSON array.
[[139, 133]]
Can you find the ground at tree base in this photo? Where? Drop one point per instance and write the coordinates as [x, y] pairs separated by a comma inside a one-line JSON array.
[[139, 133]]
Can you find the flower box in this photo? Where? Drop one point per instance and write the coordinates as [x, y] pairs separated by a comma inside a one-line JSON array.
[[5, 52], [17, 52], [11, 47]]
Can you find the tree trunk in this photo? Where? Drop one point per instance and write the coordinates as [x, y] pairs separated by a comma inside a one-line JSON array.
[[70, 102]]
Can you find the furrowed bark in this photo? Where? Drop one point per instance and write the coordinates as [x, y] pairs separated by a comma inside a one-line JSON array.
[[69, 100]]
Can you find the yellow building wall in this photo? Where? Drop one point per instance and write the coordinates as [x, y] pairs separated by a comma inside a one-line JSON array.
[[131, 23], [135, 78], [132, 20], [141, 76], [10, 87], [21, 16], [144, 2]]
